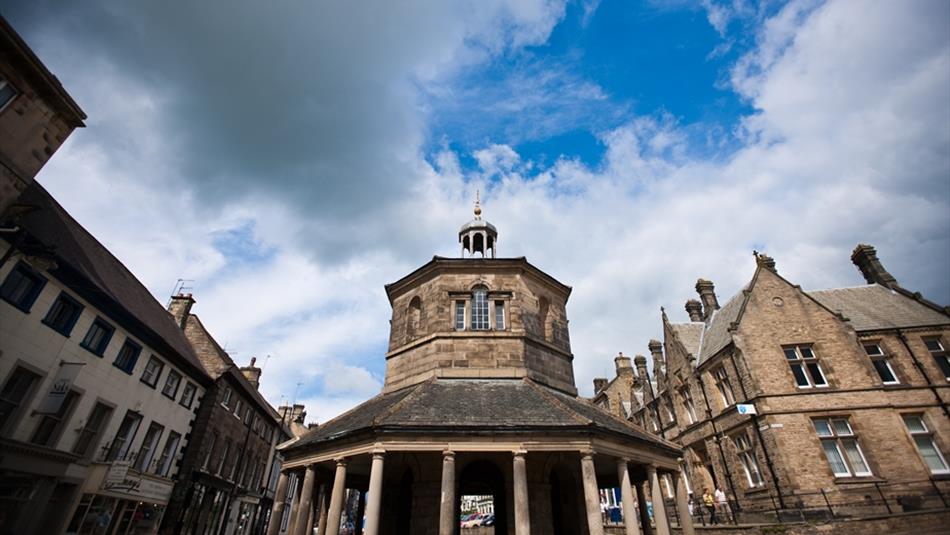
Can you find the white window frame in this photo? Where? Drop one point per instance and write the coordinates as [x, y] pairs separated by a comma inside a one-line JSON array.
[[803, 363], [925, 432], [480, 295], [498, 305], [460, 318], [16, 92], [750, 464], [939, 354], [837, 437], [875, 352]]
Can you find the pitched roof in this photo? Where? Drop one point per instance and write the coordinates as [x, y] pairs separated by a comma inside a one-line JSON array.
[[465, 405], [690, 335], [716, 335], [89, 269], [875, 307]]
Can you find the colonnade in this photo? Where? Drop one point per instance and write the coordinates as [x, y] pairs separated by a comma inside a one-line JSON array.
[[329, 512]]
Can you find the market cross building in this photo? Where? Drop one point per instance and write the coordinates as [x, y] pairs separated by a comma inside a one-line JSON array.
[[479, 399]]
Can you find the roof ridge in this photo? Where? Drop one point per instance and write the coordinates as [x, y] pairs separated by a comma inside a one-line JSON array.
[[558, 402]]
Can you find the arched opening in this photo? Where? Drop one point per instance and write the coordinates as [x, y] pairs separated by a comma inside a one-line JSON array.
[[564, 502], [414, 318], [466, 243], [491, 246], [482, 481], [478, 244]]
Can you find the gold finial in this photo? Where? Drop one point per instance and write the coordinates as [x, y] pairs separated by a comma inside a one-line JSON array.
[[478, 207]]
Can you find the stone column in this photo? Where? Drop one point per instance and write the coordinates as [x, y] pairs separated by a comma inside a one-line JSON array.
[[277, 512], [336, 498], [306, 504], [595, 523], [294, 504], [644, 511], [659, 505], [448, 521], [522, 515], [321, 514], [682, 503], [374, 497], [631, 526]]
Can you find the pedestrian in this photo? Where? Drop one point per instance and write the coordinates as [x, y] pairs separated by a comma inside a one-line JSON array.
[[722, 504], [710, 503]]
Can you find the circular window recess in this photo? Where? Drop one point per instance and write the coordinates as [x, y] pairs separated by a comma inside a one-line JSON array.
[[777, 301]]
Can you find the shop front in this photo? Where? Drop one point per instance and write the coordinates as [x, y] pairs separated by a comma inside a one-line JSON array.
[[117, 500]]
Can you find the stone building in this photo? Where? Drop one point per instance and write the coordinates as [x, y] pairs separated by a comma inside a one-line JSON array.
[[848, 390], [36, 115], [226, 470], [479, 400], [97, 384]]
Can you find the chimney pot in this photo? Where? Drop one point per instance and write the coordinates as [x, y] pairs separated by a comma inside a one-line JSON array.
[[695, 310], [865, 258], [707, 293], [180, 308], [623, 364]]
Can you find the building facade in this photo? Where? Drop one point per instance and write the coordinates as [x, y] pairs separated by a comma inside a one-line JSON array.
[[97, 385], [36, 115], [478, 400], [831, 400], [225, 483]]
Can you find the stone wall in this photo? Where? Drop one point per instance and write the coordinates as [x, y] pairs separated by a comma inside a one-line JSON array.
[[918, 523]]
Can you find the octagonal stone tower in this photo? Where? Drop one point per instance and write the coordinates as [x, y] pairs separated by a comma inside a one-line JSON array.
[[477, 317]]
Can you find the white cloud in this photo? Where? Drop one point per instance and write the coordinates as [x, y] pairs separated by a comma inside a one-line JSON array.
[[848, 143]]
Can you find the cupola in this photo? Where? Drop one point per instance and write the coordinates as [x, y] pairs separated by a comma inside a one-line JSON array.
[[478, 235]]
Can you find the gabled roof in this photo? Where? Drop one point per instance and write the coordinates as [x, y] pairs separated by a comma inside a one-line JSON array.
[[875, 307], [461, 406], [690, 335], [716, 335], [85, 266]]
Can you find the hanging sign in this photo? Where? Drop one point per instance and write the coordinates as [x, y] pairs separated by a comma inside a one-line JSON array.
[[745, 408], [60, 387]]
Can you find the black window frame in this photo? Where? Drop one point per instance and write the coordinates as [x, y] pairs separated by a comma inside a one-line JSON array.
[[67, 328], [53, 425], [184, 392], [172, 372], [25, 304], [104, 342], [137, 351], [158, 374], [89, 436]]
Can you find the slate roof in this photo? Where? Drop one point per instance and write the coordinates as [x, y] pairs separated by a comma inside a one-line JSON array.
[[717, 334], [461, 406], [88, 268], [875, 307], [690, 335]]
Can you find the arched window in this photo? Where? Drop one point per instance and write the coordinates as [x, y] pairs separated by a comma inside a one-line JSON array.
[[480, 309], [414, 318], [544, 316]]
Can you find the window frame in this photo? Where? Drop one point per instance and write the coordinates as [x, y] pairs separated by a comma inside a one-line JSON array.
[[689, 404], [120, 452], [100, 348], [145, 456], [128, 362], [940, 355], [189, 394], [883, 357], [172, 372], [929, 435], [724, 386], [4, 82], [28, 299], [157, 375], [803, 363], [745, 451], [839, 439], [480, 319], [18, 407], [58, 420], [460, 318], [226, 398], [67, 328], [499, 306], [166, 459], [95, 435]]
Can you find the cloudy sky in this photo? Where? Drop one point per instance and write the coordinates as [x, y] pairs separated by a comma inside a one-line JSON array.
[[292, 157]]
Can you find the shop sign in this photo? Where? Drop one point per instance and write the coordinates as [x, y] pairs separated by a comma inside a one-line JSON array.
[[120, 481], [60, 387]]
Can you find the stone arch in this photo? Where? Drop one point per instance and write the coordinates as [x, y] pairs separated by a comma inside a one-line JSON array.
[[545, 318], [478, 243], [483, 477], [414, 327], [567, 507]]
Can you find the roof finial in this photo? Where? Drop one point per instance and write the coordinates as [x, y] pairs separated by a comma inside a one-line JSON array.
[[478, 207]]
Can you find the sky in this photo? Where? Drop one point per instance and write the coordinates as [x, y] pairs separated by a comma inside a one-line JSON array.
[[290, 158]]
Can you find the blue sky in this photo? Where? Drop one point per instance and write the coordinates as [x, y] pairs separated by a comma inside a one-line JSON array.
[[293, 158]]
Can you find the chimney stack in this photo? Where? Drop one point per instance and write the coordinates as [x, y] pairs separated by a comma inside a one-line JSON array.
[[707, 294], [180, 308], [623, 364], [695, 310], [865, 257], [642, 376], [599, 384], [656, 351], [252, 373]]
